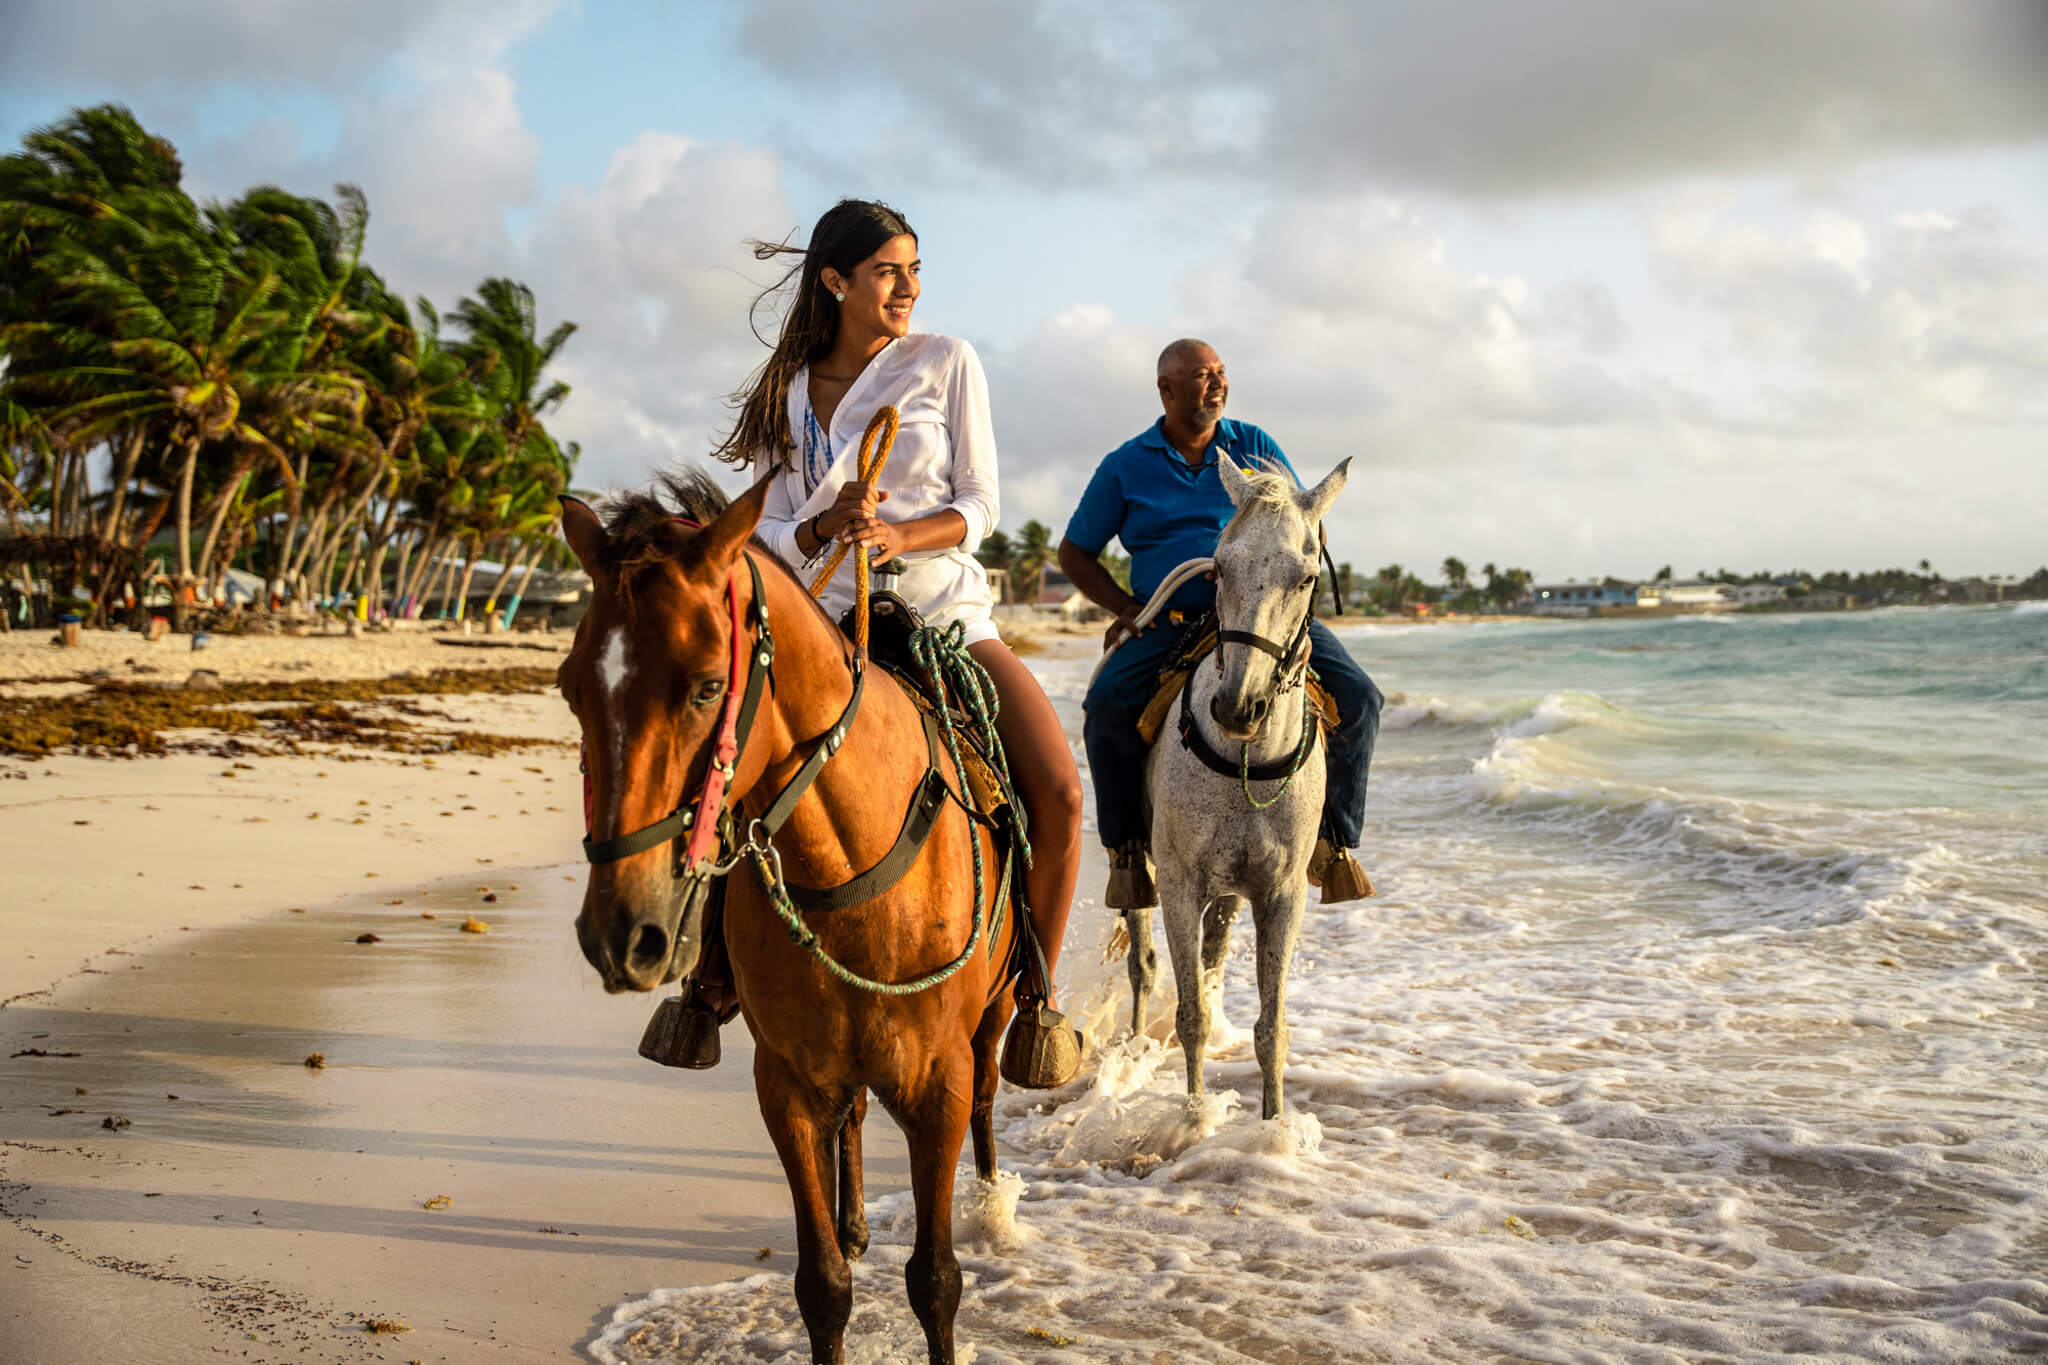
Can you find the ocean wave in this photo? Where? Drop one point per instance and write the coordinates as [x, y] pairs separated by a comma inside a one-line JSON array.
[[1723, 855]]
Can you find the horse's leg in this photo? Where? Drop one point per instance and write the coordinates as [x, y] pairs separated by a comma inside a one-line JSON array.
[[802, 1127], [1216, 921], [988, 1039], [853, 1210], [936, 1121], [1142, 964], [1181, 898], [1277, 920]]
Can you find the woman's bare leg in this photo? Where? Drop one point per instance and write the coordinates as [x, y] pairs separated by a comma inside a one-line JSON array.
[[1042, 765]]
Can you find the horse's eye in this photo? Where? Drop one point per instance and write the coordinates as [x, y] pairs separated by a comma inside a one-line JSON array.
[[1308, 582], [705, 693]]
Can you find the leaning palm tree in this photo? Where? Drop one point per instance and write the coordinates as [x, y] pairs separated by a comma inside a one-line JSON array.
[[508, 358], [178, 333]]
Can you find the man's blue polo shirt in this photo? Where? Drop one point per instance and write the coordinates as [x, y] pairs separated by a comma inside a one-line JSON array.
[[1164, 510]]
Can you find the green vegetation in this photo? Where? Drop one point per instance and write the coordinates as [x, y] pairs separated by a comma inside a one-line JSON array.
[[1026, 558], [247, 382]]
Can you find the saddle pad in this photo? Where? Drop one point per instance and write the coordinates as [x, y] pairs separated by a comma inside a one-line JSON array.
[[985, 789], [1174, 679]]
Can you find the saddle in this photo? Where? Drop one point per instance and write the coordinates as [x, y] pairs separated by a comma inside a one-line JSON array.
[[891, 623], [1196, 645]]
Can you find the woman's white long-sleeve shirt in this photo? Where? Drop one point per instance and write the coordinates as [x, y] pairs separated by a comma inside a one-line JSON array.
[[944, 459]]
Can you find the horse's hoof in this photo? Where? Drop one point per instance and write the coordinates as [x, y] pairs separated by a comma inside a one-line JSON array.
[[1042, 1052], [684, 1033]]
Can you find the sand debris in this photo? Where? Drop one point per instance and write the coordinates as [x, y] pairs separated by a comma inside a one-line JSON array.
[[438, 1202], [117, 1122], [473, 925], [125, 719], [316, 1061], [385, 1326], [368, 938]]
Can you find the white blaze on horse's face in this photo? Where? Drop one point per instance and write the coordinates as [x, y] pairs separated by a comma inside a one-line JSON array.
[[614, 671], [1266, 568]]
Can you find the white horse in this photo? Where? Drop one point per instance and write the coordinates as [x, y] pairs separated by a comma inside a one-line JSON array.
[[1236, 789]]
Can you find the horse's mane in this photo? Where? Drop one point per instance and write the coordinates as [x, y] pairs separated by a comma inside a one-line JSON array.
[[1275, 489], [640, 527]]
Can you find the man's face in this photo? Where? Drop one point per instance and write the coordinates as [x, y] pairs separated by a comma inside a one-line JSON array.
[[1194, 388]]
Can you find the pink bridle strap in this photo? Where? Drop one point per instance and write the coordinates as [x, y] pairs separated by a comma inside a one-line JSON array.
[[718, 776]]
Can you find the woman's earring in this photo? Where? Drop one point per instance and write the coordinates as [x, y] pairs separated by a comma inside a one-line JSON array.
[[839, 294]]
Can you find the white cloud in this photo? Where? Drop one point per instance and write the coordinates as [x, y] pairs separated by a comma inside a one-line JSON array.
[[151, 46], [1505, 98], [1922, 322], [1496, 418]]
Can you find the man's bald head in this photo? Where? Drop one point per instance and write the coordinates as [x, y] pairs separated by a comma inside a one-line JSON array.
[[1187, 353], [1192, 387]]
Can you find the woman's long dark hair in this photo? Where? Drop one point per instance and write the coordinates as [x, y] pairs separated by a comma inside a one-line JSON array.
[[851, 231]]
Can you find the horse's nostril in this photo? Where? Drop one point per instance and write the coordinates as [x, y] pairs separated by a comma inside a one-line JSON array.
[[649, 947]]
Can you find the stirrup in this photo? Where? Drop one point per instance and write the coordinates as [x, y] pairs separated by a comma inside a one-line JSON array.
[[683, 1032], [1130, 879], [1338, 874], [1042, 1051]]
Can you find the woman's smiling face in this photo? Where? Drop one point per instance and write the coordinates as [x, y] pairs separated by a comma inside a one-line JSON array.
[[882, 289]]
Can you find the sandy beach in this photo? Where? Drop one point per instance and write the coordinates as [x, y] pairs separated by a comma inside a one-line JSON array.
[[176, 1182]]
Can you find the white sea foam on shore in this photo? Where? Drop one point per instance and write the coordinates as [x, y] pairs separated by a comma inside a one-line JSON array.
[[1694, 1022]]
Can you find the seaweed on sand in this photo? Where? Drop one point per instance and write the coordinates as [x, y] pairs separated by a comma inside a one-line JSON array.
[[126, 719]]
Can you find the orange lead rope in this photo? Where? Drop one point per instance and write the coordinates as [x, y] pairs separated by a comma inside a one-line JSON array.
[[869, 465]]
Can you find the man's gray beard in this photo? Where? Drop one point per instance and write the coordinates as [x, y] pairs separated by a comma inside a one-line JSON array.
[[1209, 413]]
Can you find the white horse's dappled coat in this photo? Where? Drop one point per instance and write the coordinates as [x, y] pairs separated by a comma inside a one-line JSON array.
[[1215, 851]]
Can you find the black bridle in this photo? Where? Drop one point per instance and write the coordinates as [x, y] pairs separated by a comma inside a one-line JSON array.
[[1287, 674], [698, 818]]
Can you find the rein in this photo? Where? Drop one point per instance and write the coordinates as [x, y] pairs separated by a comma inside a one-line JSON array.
[[941, 653]]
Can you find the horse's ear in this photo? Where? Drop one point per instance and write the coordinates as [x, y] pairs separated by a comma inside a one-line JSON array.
[[1234, 481], [584, 532], [719, 544], [1323, 494]]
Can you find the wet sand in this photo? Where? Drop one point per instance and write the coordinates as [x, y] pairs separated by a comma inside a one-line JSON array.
[[269, 1210]]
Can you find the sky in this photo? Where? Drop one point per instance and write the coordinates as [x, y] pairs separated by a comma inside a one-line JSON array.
[[1584, 286]]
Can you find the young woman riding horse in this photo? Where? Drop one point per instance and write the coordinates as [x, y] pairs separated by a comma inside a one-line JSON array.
[[704, 674], [845, 351]]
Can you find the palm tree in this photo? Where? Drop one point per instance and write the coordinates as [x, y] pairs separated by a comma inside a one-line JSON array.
[[508, 358], [1035, 552], [1456, 576]]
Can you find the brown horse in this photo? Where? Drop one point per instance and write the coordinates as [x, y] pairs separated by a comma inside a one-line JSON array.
[[648, 678]]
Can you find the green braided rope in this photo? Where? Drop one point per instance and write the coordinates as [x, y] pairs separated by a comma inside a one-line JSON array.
[[941, 652], [1244, 763]]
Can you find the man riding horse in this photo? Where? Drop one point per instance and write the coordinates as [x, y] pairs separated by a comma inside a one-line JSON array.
[[1161, 495]]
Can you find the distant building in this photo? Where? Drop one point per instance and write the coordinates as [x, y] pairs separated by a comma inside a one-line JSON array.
[[1580, 599], [1964, 590], [1759, 594], [1820, 599], [1698, 595]]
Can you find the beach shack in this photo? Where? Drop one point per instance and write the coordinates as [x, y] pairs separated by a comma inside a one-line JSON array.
[[1580, 599]]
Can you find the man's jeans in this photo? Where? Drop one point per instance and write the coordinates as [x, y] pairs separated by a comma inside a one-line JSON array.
[[1116, 756]]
